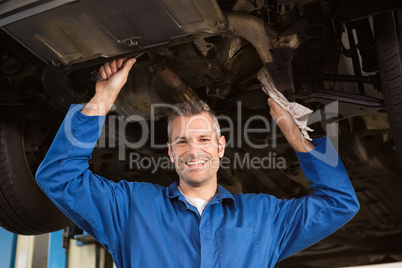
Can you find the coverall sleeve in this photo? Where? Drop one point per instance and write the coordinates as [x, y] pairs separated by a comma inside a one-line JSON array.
[[97, 205], [302, 222]]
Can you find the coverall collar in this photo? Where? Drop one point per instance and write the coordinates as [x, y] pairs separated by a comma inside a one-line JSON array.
[[173, 191]]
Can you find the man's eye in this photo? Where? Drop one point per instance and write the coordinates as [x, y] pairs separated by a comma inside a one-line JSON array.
[[181, 142], [205, 140]]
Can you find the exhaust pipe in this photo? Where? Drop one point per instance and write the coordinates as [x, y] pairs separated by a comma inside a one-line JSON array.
[[180, 90]]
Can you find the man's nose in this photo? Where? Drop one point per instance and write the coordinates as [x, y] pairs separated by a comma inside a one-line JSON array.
[[193, 148]]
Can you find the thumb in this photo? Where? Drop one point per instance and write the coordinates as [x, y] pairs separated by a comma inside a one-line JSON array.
[[272, 103], [128, 65]]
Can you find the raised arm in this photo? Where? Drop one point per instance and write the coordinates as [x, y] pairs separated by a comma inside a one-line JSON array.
[[96, 204], [303, 222]]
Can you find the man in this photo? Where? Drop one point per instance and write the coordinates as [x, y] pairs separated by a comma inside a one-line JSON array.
[[195, 222]]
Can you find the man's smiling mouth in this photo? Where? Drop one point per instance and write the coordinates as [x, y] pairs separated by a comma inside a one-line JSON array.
[[195, 162]]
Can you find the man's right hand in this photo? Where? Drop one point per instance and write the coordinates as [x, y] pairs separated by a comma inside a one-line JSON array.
[[114, 75]]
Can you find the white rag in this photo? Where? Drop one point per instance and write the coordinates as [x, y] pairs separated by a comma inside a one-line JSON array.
[[299, 112]]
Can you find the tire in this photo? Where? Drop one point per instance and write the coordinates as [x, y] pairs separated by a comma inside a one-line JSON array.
[[25, 137], [388, 32]]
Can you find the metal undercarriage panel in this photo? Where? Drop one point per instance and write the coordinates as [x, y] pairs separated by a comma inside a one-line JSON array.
[[89, 29]]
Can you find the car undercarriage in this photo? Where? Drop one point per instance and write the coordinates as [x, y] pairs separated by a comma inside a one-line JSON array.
[[341, 59]]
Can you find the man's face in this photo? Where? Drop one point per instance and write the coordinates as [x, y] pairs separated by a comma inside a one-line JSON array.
[[195, 150]]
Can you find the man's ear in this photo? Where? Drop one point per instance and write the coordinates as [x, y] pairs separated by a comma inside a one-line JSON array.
[[170, 152], [221, 146]]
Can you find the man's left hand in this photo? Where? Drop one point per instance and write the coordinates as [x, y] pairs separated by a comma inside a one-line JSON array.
[[288, 127]]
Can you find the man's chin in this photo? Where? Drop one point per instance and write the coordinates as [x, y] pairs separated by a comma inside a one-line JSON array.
[[195, 182]]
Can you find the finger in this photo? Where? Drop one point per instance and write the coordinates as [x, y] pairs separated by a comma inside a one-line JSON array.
[[272, 110], [108, 71], [120, 62], [103, 72], [272, 103], [269, 100], [113, 66]]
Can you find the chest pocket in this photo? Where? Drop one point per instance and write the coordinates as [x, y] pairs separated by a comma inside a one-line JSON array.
[[238, 247]]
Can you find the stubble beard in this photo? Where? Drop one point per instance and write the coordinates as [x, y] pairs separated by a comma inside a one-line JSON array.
[[185, 174]]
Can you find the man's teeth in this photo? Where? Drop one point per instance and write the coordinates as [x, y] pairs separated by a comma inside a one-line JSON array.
[[190, 163]]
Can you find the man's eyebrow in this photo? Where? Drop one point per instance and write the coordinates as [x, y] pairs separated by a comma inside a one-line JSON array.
[[180, 138], [184, 138]]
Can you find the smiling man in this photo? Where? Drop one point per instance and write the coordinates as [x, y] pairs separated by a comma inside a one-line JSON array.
[[195, 146], [194, 222]]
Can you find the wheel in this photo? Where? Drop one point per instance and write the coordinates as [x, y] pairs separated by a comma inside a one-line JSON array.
[[25, 136], [388, 29]]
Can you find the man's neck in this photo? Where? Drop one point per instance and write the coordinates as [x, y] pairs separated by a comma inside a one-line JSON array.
[[205, 192]]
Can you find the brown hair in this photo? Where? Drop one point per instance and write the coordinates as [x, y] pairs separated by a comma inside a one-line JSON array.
[[192, 108]]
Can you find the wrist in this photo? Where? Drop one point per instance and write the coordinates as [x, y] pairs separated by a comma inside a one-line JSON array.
[[100, 104], [299, 143]]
